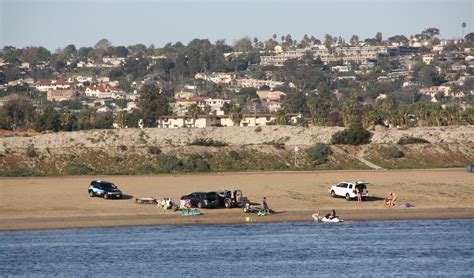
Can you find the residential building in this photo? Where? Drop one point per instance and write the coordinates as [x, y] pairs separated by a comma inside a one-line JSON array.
[[46, 85], [210, 120], [60, 95], [103, 92], [182, 104], [345, 53], [186, 121], [257, 83], [215, 104]]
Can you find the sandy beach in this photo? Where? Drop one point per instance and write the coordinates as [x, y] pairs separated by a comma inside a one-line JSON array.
[[63, 202]]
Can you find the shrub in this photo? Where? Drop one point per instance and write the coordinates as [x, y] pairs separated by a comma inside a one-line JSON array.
[[122, 148], [319, 153], [406, 140], [20, 172], [154, 150], [354, 135], [258, 129], [169, 163], [207, 142], [78, 169], [195, 163], [234, 155], [276, 144], [396, 153], [206, 155], [278, 165], [31, 152]]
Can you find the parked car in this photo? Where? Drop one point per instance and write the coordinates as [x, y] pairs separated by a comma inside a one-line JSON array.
[[202, 199], [229, 198], [348, 190], [104, 189]]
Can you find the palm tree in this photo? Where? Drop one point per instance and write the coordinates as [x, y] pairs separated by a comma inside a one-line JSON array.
[[463, 25], [235, 114], [280, 117], [194, 110], [121, 119]]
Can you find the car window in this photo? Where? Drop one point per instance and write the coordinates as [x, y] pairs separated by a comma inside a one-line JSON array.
[[350, 186], [342, 185], [361, 186], [108, 186]]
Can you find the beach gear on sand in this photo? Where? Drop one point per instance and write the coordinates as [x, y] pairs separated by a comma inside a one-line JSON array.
[[191, 212]]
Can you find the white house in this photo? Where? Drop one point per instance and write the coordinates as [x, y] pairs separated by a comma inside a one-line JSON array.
[[46, 85], [215, 104]]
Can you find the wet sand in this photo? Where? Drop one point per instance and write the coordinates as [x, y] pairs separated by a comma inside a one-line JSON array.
[[62, 202]]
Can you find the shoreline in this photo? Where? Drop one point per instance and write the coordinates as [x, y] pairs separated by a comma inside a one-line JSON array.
[[226, 218]]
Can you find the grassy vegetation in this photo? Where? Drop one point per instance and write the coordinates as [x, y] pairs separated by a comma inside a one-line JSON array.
[[407, 140], [140, 160], [207, 142]]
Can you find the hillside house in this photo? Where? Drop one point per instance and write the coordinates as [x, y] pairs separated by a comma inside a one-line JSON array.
[[46, 85], [60, 95], [256, 83]]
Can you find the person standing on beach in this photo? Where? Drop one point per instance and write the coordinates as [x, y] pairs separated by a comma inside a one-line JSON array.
[[357, 191], [265, 205]]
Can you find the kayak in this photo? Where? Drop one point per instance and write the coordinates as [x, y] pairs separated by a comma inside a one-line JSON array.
[[326, 220]]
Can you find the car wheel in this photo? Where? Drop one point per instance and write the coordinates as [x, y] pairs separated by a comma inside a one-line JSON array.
[[106, 196], [91, 193], [333, 194], [227, 203], [199, 205], [348, 198]]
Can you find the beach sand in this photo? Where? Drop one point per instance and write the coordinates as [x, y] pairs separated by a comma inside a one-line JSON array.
[[63, 202]]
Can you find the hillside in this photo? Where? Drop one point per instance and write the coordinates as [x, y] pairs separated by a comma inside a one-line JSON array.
[[153, 150]]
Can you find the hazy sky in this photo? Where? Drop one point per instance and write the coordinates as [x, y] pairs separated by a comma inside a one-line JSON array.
[[56, 23]]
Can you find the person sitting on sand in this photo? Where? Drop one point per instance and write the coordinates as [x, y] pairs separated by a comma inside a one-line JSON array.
[[394, 198], [390, 199]]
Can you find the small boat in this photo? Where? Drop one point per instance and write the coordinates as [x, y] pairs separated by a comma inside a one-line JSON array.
[[326, 220]]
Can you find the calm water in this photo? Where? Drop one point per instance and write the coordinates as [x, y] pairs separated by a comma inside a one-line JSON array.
[[372, 248]]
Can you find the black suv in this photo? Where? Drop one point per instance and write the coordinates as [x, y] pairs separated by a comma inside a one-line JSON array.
[[104, 189], [202, 199]]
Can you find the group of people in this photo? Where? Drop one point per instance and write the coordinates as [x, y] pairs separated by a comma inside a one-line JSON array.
[[166, 203], [332, 215]]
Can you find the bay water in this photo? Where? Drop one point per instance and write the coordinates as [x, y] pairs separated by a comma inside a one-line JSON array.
[[421, 248]]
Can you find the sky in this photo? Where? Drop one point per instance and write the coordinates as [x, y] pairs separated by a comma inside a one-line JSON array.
[[57, 23]]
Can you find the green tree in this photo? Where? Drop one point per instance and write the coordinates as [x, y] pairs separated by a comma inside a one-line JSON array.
[[378, 37], [87, 119], [194, 111], [19, 113], [354, 40], [10, 54], [153, 104], [68, 121], [235, 114], [49, 119], [103, 44]]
